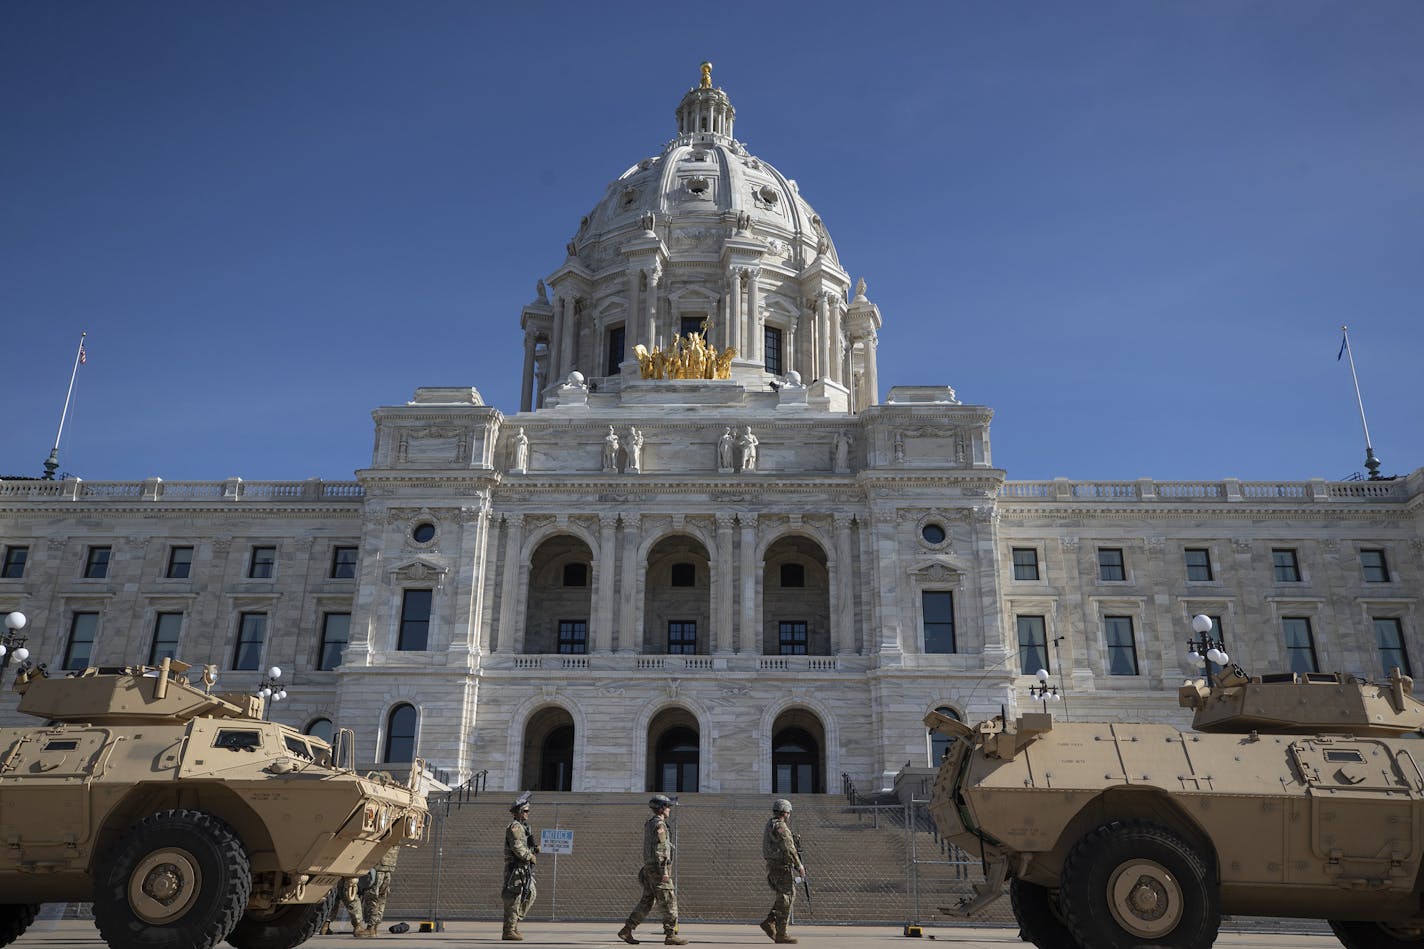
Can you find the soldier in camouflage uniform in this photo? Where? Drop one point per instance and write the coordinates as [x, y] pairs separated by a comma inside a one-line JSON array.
[[520, 855], [783, 866], [368, 906], [656, 877]]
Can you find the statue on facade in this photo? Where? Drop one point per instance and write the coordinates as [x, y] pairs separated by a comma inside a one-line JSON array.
[[635, 451], [840, 453], [749, 443], [648, 220], [521, 451], [706, 76], [689, 357], [744, 221], [725, 446], [610, 450], [899, 448], [541, 292]]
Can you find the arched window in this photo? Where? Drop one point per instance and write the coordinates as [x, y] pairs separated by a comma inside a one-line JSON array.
[[795, 762], [556, 760], [400, 734], [939, 743], [676, 766], [321, 728]]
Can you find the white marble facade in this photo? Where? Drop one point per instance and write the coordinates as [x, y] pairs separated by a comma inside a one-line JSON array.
[[644, 516]]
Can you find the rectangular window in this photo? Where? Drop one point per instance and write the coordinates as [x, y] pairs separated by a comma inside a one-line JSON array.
[[688, 325], [96, 564], [165, 637], [1025, 563], [1110, 564], [575, 574], [1033, 644], [791, 638], [343, 563], [15, 558], [616, 338], [1198, 563], [415, 620], [1286, 566], [335, 634], [1122, 648], [573, 636], [1300, 644], [180, 563], [1390, 636], [80, 648], [682, 638], [938, 606], [1374, 565], [793, 575], [683, 575], [251, 634], [264, 560], [773, 350]]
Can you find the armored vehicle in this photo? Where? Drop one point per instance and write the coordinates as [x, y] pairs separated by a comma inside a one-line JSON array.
[[183, 815], [1297, 795]]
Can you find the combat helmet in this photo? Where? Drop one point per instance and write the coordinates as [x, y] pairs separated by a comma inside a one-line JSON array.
[[660, 800], [781, 806], [520, 803]]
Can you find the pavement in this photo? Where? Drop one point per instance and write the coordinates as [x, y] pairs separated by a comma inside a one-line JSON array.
[[80, 934]]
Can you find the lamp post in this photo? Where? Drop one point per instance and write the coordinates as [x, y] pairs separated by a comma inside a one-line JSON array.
[[1042, 690], [12, 644], [1206, 649], [271, 688]]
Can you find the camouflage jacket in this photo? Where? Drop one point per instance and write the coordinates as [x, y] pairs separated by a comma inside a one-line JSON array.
[[517, 849], [657, 847], [778, 847]]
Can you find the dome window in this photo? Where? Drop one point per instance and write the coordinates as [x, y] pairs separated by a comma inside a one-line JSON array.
[[697, 185], [699, 156], [630, 195], [768, 194]]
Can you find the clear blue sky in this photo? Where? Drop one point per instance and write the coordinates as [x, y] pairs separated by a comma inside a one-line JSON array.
[[1131, 228]]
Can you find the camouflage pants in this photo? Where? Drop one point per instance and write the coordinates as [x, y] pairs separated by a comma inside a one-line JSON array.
[[366, 907], [782, 879], [516, 905], [656, 892]]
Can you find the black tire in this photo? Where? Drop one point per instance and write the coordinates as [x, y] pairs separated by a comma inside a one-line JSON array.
[[15, 918], [1132, 883], [1037, 914], [283, 928], [176, 880], [1360, 935]]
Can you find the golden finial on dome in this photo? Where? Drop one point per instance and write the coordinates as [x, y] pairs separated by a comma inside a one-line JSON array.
[[706, 76]]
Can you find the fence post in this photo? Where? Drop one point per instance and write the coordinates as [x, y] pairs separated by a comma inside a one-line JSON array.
[[435, 924], [914, 881]]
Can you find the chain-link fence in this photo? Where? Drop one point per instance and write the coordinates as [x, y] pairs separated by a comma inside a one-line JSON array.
[[865, 862]]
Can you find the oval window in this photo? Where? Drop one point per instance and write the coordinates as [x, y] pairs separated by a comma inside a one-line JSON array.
[[423, 533], [933, 534]]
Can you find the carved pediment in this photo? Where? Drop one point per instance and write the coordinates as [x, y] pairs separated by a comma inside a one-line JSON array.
[[420, 571]]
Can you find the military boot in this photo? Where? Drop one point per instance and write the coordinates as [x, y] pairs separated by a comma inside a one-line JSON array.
[[673, 939], [781, 932], [626, 934], [768, 926], [512, 934]]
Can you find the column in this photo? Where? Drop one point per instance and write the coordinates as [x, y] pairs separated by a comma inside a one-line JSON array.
[[748, 636], [837, 360], [843, 609], [809, 344], [790, 345], [630, 617], [823, 336], [526, 392], [650, 314], [511, 613], [605, 578], [872, 381], [568, 346], [724, 588], [556, 343], [631, 337], [734, 315], [754, 339]]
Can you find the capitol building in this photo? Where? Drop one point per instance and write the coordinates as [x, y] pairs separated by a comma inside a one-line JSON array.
[[710, 549]]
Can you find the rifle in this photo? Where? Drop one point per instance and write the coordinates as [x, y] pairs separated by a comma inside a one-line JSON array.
[[528, 887], [805, 877]]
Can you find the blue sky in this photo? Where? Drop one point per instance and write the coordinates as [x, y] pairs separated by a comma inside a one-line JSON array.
[[1131, 228]]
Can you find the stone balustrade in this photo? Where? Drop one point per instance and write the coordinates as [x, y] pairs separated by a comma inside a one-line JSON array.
[[156, 489], [1229, 489]]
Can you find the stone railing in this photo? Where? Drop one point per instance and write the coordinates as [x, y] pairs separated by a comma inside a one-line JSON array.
[[1229, 489], [156, 489], [674, 664]]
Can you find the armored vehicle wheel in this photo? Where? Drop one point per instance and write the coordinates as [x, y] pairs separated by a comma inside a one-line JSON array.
[[1358, 935], [283, 927], [176, 880], [1036, 910], [1131, 883], [15, 918]]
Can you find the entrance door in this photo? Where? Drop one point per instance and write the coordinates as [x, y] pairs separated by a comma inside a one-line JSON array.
[[676, 766], [795, 763], [556, 760]]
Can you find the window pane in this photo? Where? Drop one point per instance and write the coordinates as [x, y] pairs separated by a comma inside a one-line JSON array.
[[165, 637], [251, 632], [80, 648], [1287, 568], [1374, 566], [322, 728], [1198, 563], [1390, 635], [415, 620], [938, 608], [335, 634], [792, 638], [343, 563], [616, 343], [793, 575], [682, 637], [400, 734], [1033, 644], [573, 636], [1025, 563], [773, 350], [96, 566], [15, 558], [263, 561], [575, 574], [1122, 650], [1110, 564], [1300, 645], [684, 575], [180, 563]]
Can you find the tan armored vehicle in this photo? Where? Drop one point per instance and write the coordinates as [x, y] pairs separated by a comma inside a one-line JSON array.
[[1298, 795], [181, 814]]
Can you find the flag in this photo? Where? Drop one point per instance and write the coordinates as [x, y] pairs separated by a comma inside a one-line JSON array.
[[1344, 344], [83, 356]]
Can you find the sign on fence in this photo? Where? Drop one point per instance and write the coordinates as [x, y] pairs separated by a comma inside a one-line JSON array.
[[556, 841]]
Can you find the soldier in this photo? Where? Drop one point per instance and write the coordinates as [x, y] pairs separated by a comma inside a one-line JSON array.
[[370, 904], [783, 866], [656, 877], [520, 855]]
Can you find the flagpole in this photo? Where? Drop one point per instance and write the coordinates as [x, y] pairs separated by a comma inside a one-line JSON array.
[[51, 464], [1371, 462]]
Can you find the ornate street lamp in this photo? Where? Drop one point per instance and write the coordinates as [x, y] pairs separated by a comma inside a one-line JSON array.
[[1042, 690], [270, 689], [1206, 648], [12, 644]]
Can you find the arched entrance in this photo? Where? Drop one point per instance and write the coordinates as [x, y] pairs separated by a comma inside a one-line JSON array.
[[549, 751], [674, 754], [797, 747]]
